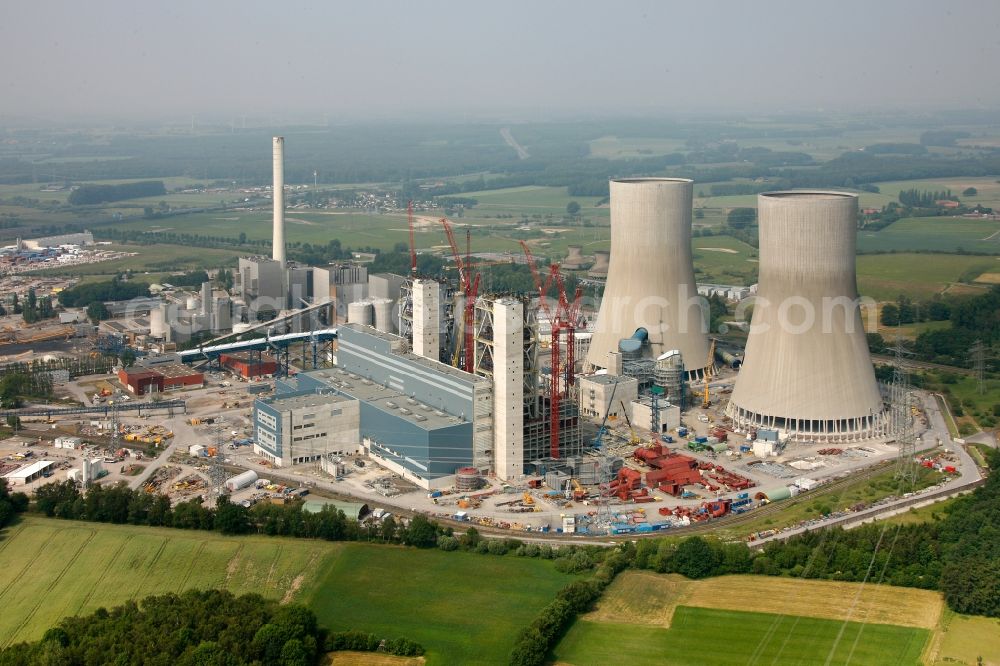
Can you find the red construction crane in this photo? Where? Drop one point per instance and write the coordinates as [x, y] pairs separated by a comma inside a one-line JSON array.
[[413, 244], [562, 320], [469, 285]]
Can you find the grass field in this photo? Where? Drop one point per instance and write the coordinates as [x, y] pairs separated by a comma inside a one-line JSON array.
[[721, 637], [644, 617], [152, 258], [963, 639], [919, 276], [463, 607], [50, 569], [661, 594], [924, 514], [941, 234]]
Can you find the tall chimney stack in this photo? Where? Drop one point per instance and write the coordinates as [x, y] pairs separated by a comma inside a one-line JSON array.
[[278, 194]]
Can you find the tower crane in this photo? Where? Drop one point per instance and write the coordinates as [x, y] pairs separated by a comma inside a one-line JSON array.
[[562, 320], [469, 285]]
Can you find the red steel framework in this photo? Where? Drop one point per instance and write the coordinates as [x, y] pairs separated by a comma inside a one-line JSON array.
[[469, 285], [563, 320]]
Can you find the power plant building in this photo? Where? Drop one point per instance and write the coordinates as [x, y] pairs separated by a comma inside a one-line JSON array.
[[650, 298], [302, 427], [807, 371], [417, 417]]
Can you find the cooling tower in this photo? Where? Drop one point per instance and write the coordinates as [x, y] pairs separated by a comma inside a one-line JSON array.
[[278, 197], [600, 267], [807, 371], [650, 282], [574, 259]]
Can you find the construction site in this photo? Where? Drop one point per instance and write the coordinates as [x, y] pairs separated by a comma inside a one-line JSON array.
[[533, 411]]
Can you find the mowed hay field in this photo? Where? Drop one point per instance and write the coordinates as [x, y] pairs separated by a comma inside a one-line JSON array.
[[464, 608], [649, 598], [723, 638], [50, 569], [651, 618]]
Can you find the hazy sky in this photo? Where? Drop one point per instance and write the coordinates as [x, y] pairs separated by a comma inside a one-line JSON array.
[[530, 59]]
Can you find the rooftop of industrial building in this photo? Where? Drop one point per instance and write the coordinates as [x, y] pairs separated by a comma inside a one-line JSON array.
[[304, 400], [388, 400], [29, 470], [438, 366], [173, 370]]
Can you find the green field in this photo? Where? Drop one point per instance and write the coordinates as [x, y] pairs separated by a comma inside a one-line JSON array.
[[152, 258], [50, 569], [463, 607], [721, 637], [939, 234], [919, 276]]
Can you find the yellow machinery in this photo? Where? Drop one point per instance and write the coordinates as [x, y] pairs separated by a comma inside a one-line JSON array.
[[708, 374], [528, 499], [633, 438]]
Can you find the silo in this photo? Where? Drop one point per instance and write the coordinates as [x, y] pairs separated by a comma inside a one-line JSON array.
[[193, 303], [650, 282], [383, 314], [158, 321], [807, 370], [360, 312]]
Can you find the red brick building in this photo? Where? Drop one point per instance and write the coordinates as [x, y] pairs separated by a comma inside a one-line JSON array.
[[178, 375], [141, 381], [247, 365]]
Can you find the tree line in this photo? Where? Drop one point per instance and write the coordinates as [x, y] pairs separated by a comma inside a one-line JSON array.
[[972, 319], [915, 198], [193, 628], [115, 289], [11, 504]]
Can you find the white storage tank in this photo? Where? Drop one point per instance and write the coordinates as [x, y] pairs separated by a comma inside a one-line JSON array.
[[360, 312], [158, 321], [241, 481], [382, 308]]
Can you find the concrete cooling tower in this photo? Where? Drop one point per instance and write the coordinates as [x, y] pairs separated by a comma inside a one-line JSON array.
[[650, 282], [600, 266], [807, 371]]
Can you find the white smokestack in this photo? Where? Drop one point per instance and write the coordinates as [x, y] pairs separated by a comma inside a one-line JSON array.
[[278, 192]]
